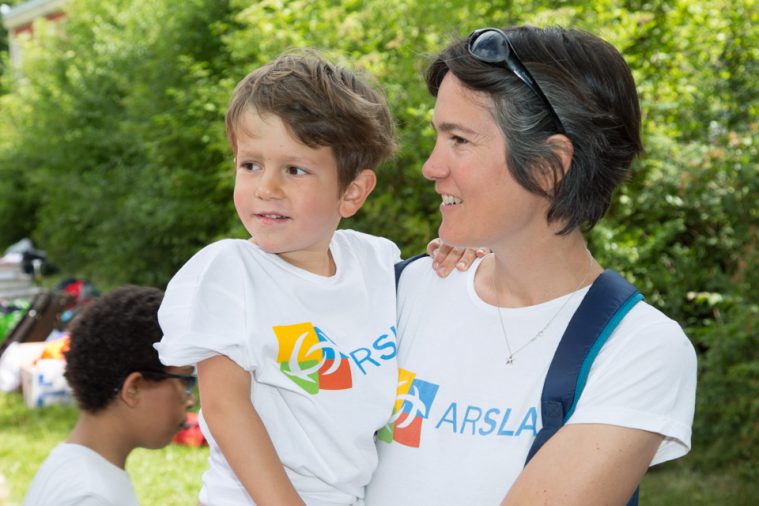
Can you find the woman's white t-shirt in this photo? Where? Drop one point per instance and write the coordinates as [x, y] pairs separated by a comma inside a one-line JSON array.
[[465, 419]]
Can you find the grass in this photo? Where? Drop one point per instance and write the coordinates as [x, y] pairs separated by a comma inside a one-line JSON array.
[[171, 476], [677, 484]]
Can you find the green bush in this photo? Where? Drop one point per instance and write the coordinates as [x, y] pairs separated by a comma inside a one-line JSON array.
[[120, 125]]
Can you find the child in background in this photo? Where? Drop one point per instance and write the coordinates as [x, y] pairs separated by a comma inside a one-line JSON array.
[[127, 398], [293, 331]]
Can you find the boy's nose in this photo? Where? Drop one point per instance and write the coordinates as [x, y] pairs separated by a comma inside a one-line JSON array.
[[269, 187]]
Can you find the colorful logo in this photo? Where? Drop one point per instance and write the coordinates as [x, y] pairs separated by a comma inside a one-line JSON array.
[[311, 359], [412, 405]]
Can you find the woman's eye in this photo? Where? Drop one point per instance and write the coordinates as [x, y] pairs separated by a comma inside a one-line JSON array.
[[455, 139], [296, 171]]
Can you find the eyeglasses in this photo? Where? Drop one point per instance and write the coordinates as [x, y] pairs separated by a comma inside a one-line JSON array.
[[491, 45], [188, 380]]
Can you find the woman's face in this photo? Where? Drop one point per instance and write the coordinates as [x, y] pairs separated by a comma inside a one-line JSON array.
[[482, 204]]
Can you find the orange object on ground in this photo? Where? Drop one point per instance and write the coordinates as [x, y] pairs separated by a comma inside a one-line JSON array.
[[56, 349]]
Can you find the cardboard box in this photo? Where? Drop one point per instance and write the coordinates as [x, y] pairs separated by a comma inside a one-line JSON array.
[[43, 383], [16, 357]]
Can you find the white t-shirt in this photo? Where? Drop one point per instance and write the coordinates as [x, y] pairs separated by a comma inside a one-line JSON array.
[[321, 352], [74, 475], [472, 418]]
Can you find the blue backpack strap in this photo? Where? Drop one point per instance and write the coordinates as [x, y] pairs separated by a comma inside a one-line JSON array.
[[608, 300], [399, 266]]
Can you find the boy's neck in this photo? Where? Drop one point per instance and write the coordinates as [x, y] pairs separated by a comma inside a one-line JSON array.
[[103, 434], [315, 263]]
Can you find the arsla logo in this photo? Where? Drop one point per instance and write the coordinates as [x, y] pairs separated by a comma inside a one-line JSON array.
[[310, 358], [412, 405]]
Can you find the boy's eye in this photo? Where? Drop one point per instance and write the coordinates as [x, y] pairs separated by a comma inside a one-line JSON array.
[[296, 171], [249, 166]]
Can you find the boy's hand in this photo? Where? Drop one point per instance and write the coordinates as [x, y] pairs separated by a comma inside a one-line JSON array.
[[446, 257]]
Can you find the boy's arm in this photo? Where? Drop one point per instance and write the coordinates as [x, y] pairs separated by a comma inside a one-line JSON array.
[[240, 433], [446, 257], [586, 464]]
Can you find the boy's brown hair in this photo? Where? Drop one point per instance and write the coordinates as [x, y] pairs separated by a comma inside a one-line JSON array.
[[321, 104]]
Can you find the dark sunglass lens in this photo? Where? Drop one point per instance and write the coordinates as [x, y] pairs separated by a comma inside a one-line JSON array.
[[488, 46], [189, 382]]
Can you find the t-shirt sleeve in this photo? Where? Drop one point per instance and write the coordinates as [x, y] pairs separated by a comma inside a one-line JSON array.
[[645, 379], [203, 311]]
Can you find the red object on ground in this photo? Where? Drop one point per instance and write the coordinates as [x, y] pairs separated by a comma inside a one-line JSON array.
[[190, 435]]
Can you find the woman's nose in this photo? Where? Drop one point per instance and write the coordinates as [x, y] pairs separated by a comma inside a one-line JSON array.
[[434, 167]]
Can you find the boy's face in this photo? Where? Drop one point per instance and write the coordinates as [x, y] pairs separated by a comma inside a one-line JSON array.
[[165, 408], [286, 193]]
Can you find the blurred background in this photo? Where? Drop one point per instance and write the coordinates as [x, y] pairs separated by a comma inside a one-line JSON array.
[[114, 166]]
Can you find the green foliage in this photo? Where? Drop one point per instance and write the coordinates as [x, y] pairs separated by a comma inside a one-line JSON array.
[[113, 155], [122, 125]]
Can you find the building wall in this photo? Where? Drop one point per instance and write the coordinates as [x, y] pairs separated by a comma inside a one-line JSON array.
[[19, 21]]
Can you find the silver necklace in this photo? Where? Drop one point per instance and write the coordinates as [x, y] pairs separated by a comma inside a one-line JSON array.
[[510, 357]]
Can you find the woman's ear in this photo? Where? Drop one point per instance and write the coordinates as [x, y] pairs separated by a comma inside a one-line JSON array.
[[564, 150], [130, 390], [356, 193]]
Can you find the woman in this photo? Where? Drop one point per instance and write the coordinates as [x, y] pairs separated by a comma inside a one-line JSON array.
[[529, 150]]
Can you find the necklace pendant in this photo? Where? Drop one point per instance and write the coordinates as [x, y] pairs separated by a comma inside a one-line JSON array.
[[510, 360]]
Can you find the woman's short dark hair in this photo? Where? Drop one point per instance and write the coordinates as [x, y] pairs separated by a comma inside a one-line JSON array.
[[112, 337], [591, 87]]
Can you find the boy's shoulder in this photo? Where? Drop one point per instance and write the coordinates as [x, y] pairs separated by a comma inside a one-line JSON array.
[[364, 244], [223, 250], [225, 255], [349, 236], [73, 473]]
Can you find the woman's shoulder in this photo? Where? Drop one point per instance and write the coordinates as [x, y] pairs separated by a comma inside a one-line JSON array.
[[647, 327]]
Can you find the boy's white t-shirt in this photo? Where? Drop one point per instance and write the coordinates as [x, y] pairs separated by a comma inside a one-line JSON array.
[[321, 352], [467, 419], [74, 475]]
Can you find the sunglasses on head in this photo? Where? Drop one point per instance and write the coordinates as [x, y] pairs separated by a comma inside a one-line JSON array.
[[491, 45]]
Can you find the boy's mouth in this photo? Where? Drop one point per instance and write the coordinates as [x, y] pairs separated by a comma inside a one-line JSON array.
[[450, 200], [272, 216]]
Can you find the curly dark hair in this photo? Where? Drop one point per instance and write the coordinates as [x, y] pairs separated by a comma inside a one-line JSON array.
[[321, 104], [591, 87], [112, 337]]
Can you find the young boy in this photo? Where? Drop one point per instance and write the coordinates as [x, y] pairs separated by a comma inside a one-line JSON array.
[[127, 398], [293, 330]]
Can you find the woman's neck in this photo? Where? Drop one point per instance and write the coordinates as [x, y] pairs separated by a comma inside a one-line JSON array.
[[533, 272]]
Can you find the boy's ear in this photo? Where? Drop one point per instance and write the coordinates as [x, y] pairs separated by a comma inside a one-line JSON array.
[[130, 389], [356, 193]]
